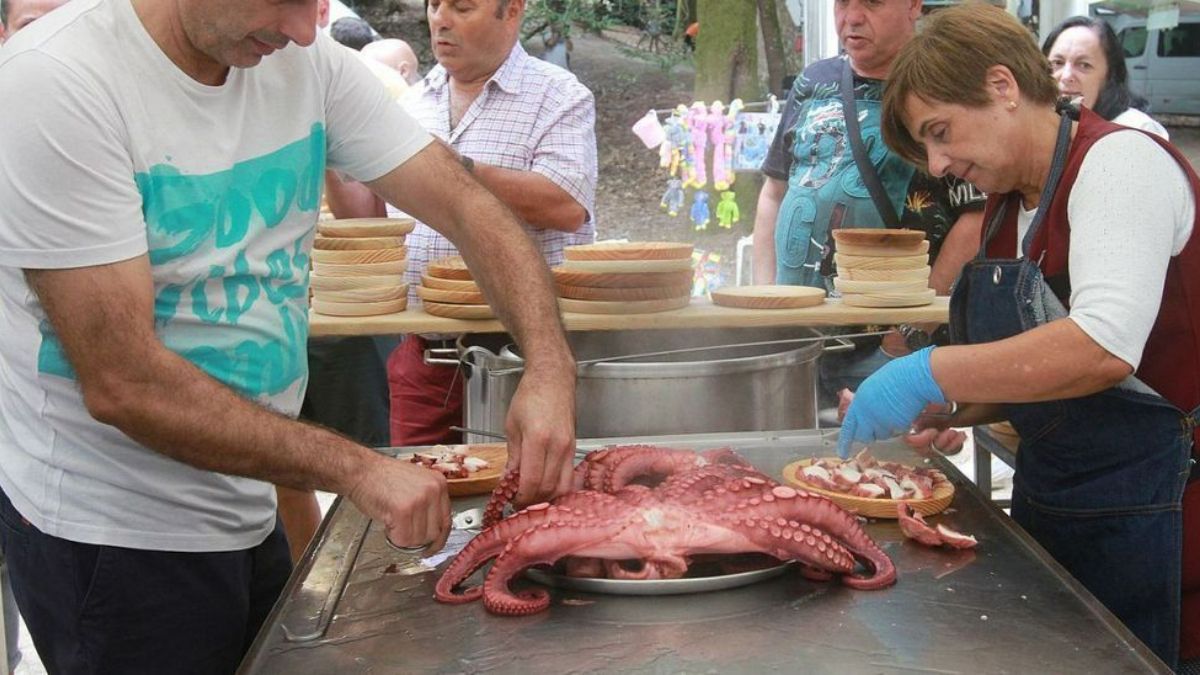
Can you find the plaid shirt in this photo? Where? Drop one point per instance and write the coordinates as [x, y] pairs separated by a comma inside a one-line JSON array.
[[530, 116]]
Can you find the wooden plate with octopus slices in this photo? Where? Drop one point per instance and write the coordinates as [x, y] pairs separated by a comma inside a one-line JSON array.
[[943, 494], [484, 480]]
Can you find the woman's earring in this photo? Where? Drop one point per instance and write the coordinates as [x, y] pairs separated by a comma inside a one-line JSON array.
[[1012, 105]]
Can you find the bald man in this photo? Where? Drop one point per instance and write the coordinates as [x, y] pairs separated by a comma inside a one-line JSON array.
[[16, 14], [395, 54]]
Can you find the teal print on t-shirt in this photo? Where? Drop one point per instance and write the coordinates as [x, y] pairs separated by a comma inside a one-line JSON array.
[[230, 264]]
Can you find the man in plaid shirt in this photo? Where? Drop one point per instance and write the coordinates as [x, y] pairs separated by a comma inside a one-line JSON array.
[[525, 129]]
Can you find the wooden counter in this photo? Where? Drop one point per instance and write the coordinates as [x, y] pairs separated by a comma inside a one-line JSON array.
[[700, 314]]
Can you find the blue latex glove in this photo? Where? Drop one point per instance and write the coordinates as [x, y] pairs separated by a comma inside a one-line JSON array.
[[889, 400]]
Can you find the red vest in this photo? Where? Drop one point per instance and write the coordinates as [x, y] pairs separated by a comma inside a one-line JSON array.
[[1171, 360]]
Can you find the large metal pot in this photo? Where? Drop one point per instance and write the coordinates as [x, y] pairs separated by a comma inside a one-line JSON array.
[[728, 386]]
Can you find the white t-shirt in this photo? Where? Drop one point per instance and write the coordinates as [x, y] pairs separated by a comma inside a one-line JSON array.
[[1137, 119], [114, 153], [1131, 210]]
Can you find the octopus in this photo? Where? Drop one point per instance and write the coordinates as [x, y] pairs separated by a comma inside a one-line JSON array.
[[646, 512], [914, 526]]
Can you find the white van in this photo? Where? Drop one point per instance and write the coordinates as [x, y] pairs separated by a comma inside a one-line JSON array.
[[1164, 65]]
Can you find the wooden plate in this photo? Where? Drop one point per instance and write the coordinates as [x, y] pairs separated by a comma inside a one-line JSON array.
[[360, 270], [449, 284], [610, 294], [372, 294], [320, 282], [359, 308], [485, 480], [769, 297], [628, 266], [449, 268], [355, 243], [360, 256], [889, 299], [943, 494], [866, 262], [884, 251], [631, 250], [613, 280], [459, 311], [622, 306], [452, 297], [877, 236], [884, 275], [855, 286], [366, 227]]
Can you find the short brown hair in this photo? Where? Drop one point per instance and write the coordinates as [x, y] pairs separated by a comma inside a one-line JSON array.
[[948, 60]]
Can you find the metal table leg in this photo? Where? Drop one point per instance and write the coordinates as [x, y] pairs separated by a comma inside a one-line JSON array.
[[986, 447]]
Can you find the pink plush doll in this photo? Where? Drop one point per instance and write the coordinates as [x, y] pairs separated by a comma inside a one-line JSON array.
[[697, 121], [718, 124]]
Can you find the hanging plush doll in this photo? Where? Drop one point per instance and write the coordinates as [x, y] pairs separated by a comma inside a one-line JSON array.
[[678, 140], [717, 122], [735, 108], [727, 210], [697, 121], [672, 199], [700, 210]]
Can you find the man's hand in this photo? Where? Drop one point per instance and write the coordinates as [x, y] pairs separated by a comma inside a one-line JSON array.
[[889, 400], [541, 434], [410, 501]]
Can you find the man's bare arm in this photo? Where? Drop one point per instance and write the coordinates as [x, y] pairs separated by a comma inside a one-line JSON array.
[[960, 245], [534, 198], [769, 199], [104, 318], [351, 199], [435, 189]]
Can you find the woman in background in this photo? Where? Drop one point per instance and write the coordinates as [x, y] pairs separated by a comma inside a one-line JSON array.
[[1088, 62]]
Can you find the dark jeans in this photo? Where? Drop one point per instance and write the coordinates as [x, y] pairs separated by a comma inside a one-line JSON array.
[[104, 609]]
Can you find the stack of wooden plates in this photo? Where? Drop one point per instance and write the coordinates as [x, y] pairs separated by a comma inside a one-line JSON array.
[[625, 277], [358, 266], [448, 290], [882, 267]]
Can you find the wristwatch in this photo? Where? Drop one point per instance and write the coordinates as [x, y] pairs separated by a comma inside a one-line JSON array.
[[914, 338], [467, 163]]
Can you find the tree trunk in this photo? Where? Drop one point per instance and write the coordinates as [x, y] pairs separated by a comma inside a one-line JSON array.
[[768, 18], [727, 68]]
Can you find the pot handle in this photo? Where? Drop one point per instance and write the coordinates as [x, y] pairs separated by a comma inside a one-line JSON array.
[[842, 345], [438, 356]]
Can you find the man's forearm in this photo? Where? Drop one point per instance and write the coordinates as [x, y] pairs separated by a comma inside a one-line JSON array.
[[534, 198], [349, 199], [765, 216], [960, 245], [167, 404]]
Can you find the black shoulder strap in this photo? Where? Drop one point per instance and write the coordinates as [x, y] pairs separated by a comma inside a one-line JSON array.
[[866, 169]]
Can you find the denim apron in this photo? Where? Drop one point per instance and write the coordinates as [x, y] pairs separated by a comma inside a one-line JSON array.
[[1099, 479]]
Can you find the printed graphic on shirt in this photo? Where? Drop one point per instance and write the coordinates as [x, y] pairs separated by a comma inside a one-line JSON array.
[[825, 189], [228, 252]]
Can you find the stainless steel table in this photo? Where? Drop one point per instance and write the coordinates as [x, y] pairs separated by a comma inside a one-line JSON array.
[[355, 605]]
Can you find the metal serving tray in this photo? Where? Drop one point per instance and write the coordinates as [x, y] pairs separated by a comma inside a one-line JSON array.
[[718, 582], [355, 605]]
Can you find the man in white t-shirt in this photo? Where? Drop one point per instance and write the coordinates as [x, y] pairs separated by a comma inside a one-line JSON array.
[[153, 319], [15, 15]]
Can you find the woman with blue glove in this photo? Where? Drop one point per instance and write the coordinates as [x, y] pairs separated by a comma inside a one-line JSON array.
[[1079, 322]]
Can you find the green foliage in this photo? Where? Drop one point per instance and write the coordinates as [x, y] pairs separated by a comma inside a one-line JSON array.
[[596, 15]]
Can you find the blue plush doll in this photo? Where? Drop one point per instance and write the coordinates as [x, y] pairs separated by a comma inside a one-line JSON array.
[[672, 199], [700, 210]]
